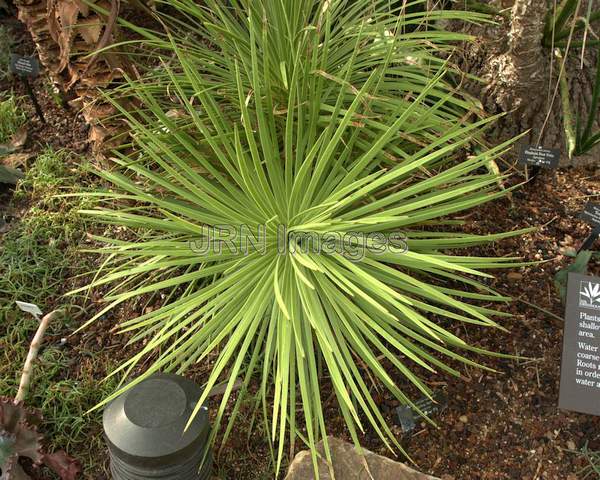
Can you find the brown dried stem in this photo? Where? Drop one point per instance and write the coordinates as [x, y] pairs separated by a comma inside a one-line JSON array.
[[32, 355]]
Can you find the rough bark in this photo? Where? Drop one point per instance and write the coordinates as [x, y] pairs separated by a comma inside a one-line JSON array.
[[65, 33], [520, 77]]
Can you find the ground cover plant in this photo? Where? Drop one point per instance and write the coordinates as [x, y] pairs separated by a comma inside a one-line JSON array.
[[12, 120], [11, 117], [39, 251], [341, 125], [592, 469]]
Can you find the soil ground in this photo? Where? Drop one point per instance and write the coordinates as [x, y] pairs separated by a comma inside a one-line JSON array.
[[506, 425], [497, 425]]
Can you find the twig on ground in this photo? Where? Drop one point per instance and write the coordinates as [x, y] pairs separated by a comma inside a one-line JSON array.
[[32, 355]]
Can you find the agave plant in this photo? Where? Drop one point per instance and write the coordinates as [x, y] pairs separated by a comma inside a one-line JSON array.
[[334, 133]]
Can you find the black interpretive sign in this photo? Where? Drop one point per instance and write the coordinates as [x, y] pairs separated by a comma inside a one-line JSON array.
[[591, 214], [24, 66], [27, 67], [539, 156], [590, 240], [580, 368], [407, 417]]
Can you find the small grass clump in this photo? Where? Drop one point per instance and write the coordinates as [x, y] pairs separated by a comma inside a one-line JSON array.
[[38, 250], [11, 117], [592, 460], [38, 255]]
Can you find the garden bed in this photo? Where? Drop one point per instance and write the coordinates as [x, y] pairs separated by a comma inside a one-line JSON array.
[[497, 425]]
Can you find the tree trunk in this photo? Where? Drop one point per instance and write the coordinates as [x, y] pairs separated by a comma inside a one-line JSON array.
[[520, 77], [66, 33]]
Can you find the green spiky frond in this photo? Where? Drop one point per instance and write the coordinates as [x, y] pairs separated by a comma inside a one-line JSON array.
[[339, 123]]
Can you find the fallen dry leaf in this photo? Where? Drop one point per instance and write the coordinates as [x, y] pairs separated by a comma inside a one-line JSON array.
[[84, 8], [62, 18], [16, 142], [19, 138], [66, 467], [90, 29], [9, 175], [15, 160]]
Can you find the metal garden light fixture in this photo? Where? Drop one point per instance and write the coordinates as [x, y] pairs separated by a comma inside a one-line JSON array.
[[146, 436]]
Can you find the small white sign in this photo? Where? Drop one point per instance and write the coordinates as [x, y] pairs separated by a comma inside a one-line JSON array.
[[31, 308]]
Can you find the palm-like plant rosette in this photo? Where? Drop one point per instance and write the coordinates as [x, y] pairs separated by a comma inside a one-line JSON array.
[[325, 118]]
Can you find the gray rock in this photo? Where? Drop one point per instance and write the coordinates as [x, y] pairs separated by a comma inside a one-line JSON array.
[[348, 464]]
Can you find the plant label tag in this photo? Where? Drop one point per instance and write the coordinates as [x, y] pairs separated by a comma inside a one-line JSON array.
[[31, 308], [580, 366], [539, 156], [407, 417], [24, 66], [591, 214]]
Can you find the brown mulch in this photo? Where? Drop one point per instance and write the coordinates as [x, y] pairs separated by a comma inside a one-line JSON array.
[[506, 425]]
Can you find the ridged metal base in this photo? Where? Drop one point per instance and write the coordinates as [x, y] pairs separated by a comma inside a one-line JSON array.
[[149, 434], [188, 471]]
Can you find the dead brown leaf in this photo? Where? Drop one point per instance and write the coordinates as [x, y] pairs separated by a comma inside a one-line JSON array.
[[176, 113], [62, 18], [15, 160], [19, 138], [16, 142], [90, 29], [107, 36], [83, 7], [66, 467]]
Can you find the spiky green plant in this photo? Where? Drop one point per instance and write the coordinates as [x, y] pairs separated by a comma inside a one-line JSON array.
[[333, 119], [580, 135], [586, 138], [563, 20]]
